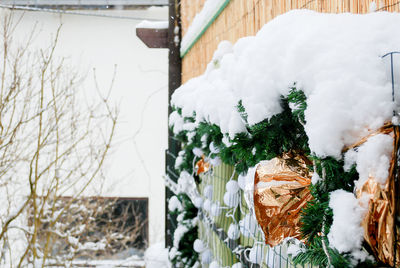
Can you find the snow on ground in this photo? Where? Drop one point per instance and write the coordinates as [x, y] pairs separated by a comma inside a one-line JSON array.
[[131, 262], [334, 58], [156, 256]]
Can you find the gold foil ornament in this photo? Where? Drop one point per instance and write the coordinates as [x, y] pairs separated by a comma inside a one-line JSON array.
[[379, 222], [202, 166], [280, 192], [385, 129]]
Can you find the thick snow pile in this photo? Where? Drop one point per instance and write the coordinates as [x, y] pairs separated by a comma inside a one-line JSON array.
[[335, 58], [372, 159], [346, 233], [156, 256]]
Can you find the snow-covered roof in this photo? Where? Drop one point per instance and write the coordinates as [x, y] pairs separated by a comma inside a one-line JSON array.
[[152, 24]]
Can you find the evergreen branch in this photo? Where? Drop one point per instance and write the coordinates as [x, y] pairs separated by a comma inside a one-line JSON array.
[[281, 134]]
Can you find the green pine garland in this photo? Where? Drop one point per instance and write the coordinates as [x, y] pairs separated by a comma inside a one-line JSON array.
[[263, 141], [335, 178], [315, 255], [282, 133]]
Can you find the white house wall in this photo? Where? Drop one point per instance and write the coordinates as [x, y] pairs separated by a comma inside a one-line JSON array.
[[136, 166]]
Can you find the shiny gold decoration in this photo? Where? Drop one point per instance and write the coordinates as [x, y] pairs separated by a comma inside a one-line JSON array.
[[280, 192], [202, 166], [385, 129], [379, 222]]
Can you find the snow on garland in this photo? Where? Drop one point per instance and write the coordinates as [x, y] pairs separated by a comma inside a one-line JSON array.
[[181, 204], [310, 84], [335, 58]]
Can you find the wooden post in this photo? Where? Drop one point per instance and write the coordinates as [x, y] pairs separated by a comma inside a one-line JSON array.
[[174, 81], [168, 38]]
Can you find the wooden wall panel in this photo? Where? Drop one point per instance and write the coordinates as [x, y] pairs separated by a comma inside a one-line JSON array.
[[189, 9]]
